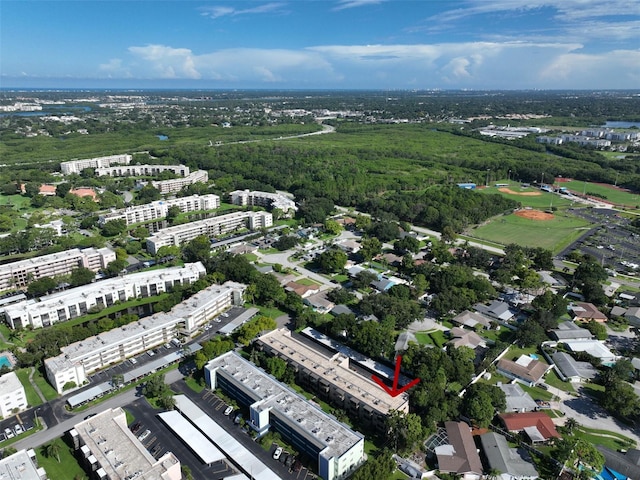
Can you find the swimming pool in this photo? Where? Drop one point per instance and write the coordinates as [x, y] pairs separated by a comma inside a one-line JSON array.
[[534, 356], [5, 362]]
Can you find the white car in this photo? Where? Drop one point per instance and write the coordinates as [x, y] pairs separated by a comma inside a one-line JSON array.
[[144, 435], [228, 410], [18, 429], [9, 433], [277, 453]]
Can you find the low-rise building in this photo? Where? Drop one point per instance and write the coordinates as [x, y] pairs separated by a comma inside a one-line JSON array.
[[331, 375], [78, 301], [473, 320], [517, 399], [108, 450], [19, 274], [512, 463], [525, 369], [177, 184], [263, 199], [595, 348], [337, 449], [76, 166], [13, 398], [584, 312], [142, 170], [22, 465], [573, 370], [459, 337], [459, 455], [210, 227], [158, 210], [538, 426], [570, 331], [80, 359]]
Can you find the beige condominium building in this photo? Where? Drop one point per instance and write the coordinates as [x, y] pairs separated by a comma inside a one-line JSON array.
[[12, 395], [177, 184], [76, 166], [263, 199], [142, 170], [19, 274], [334, 379], [158, 210], [211, 227], [80, 359], [337, 449], [109, 451], [78, 301]]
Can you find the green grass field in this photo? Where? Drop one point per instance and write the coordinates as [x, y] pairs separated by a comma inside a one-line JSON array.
[[544, 201], [619, 197], [552, 234]]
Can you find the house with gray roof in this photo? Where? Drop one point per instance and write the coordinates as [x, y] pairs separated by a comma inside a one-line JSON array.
[[572, 370], [570, 331], [627, 464], [517, 399], [633, 316], [512, 463], [472, 320], [497, 309], [460, 337]]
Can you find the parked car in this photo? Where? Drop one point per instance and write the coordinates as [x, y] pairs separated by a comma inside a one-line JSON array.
[[277, 453], [228, 410], [237, 419], [9, 433], [18, 429], [144, 435]]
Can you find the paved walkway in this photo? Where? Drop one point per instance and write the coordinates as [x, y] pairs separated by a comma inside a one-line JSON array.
[[35, 386]]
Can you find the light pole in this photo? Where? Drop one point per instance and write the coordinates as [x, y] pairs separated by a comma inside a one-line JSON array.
[[508, 175], [487, 183]]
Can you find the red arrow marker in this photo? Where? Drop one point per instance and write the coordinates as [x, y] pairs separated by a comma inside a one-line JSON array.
[[395, 391]]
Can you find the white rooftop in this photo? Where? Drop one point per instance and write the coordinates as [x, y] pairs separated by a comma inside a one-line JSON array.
[[201, 446], [9, 382], [20, 466]]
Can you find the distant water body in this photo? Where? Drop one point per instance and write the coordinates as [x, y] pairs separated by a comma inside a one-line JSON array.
[[162, 137], [51, 110], [621, 124]]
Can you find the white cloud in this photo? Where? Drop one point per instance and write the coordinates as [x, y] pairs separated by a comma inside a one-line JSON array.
[[489, 65], [113, 65], [226, 11], [344, 4]]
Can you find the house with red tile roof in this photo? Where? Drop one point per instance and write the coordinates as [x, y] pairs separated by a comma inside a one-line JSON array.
[[85, 192], [538, 426]]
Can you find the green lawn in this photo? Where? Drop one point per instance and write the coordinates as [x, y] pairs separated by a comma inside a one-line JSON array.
[[45, 387], [552, 234], [194, 384], [538, 393], [68, 467], [552, 379], [307, 281], [423, 338], [438, 337], [612, 194], [33, 399]]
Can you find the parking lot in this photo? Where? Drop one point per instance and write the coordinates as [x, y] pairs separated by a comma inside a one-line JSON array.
[[614, 244], [216, 407], [14, 427]]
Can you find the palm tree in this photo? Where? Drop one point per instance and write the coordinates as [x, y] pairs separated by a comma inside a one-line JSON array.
[[571, 424], [53, 450], [493, 474]]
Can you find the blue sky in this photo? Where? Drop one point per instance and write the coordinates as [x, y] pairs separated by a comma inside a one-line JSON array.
[[325, 44]]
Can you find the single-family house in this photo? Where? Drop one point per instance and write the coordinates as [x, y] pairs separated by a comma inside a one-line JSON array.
[[459, 337], [383, 284], [517, 399], [594, 348], [512, 463], [570, 331], [473, 320], [525, 369], [618, 311], [633, 316], [391, 259], [303, 290], [627, 465], [497, 309], [47, 190], [538, 426], [319, 302], [459, 455], [584, 312], [340, 310], [349, 246], [571, 369]]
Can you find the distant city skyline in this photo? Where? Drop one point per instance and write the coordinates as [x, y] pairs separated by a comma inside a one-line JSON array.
[[321, 44]]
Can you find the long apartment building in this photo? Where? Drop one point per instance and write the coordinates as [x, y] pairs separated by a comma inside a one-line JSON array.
[[338, 449], [78, 301], [19, 274], [12, 395], [76, 166], [263, 199], [210, 227], [334, 378], [158, 210], [177, 184], [109, 451], [142, 170], [80, 359]]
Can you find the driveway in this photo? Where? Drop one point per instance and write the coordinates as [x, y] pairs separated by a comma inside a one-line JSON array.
[[283, 259]]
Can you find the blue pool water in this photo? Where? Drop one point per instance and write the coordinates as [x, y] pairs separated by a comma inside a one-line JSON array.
[[534, 356], [4, 362], [162, 137]]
